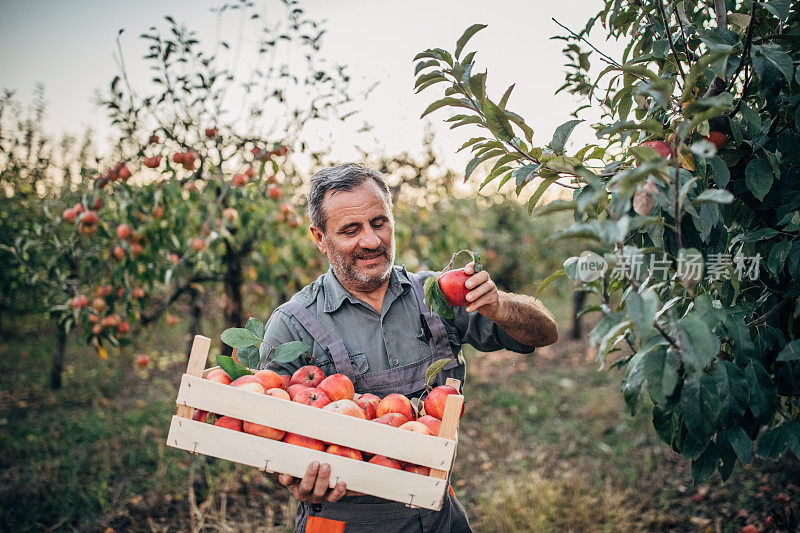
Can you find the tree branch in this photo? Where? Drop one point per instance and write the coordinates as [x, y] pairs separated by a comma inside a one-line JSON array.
[[660, 7]]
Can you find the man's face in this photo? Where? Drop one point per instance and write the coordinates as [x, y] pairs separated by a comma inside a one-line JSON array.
[[359, 237]]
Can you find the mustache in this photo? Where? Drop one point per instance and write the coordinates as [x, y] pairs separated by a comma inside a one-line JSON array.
[[372, 254]]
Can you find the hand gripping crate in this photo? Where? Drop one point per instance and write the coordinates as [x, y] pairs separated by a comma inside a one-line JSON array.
[[412, 489]]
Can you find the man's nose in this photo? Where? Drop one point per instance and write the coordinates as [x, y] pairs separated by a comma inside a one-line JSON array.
[[370, 239]]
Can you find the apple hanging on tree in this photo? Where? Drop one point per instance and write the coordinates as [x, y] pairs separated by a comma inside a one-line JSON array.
[[447, 289]]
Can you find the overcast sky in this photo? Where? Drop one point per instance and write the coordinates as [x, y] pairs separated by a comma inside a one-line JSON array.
[[68, 45]]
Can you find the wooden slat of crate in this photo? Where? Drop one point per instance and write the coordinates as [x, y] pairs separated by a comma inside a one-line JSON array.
[[326, 426], [276, 456]]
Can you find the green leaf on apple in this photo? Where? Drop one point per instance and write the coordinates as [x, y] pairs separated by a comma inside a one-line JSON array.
[[433, 370], [239, 338], [289, 351], [435, 297], [256, 327], [232, 368], [249, 356]]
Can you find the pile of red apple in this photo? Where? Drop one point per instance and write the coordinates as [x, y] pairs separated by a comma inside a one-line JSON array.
[[309, 386]]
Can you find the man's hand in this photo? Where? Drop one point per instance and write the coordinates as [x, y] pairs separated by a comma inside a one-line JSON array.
[[525, 319], [483, 295], [313, 488]]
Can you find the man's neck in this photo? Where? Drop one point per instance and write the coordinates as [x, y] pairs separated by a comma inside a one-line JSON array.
[[373, 297]]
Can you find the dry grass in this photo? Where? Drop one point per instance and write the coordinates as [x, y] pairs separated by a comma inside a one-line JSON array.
[[535, 503]]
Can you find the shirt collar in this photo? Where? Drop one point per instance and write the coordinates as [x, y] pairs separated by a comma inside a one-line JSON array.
[[336, 294]]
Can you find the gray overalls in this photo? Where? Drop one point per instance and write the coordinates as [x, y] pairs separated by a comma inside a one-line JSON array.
[[367, 514]]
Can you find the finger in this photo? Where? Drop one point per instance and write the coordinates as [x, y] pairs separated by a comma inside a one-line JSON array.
[[477, 279], [285, 480], [480, 290], [323, 479], [307, 483], [489, 299], [338, 491], [470, 268]]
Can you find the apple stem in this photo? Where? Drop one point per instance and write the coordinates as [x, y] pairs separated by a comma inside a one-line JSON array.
[[472, 255]]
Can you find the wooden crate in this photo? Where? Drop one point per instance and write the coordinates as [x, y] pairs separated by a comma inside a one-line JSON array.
[[274, 456]]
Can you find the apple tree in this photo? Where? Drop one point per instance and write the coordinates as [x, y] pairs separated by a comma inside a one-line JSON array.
[[212, 198], [690, 201]]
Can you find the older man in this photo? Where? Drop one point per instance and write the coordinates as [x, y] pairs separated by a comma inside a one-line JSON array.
[[367, 318]]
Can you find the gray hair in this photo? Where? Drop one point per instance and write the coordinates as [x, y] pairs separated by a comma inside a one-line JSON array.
[[340, 178]]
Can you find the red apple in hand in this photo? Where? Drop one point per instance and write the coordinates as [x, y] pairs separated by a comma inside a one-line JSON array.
[[309, 375], [346, 407], [312, 396], [435, 402], [306, 442], [395, 403], [392, 419], [337, 387], [386, 461], [344, 451], [453, 288]]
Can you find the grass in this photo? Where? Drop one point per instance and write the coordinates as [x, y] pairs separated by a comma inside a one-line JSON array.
[[546, 444]]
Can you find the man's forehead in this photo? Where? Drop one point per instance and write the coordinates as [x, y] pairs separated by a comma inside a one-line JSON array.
[[363, 200]]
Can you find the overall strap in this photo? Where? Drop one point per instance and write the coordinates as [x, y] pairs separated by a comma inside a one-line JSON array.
[[335, 347]]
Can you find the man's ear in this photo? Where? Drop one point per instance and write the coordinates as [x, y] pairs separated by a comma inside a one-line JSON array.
[[319, 238]]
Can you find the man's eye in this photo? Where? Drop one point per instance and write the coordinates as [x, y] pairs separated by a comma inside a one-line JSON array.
[[351, 232], [378, 224]]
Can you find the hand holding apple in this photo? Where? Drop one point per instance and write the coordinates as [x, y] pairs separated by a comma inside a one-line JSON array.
[[483, 295]]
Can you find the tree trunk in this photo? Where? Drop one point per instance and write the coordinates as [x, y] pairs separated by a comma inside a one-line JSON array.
[[578, 298], [233, 281], [196, 314], [58, 358]]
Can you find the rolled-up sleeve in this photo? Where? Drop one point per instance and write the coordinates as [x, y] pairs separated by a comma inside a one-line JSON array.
[[477, 330]]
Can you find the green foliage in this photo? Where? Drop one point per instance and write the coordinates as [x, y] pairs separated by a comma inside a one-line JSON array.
[[714, 349]]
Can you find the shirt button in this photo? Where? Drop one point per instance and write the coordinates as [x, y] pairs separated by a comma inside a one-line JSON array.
[[395, 362]]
